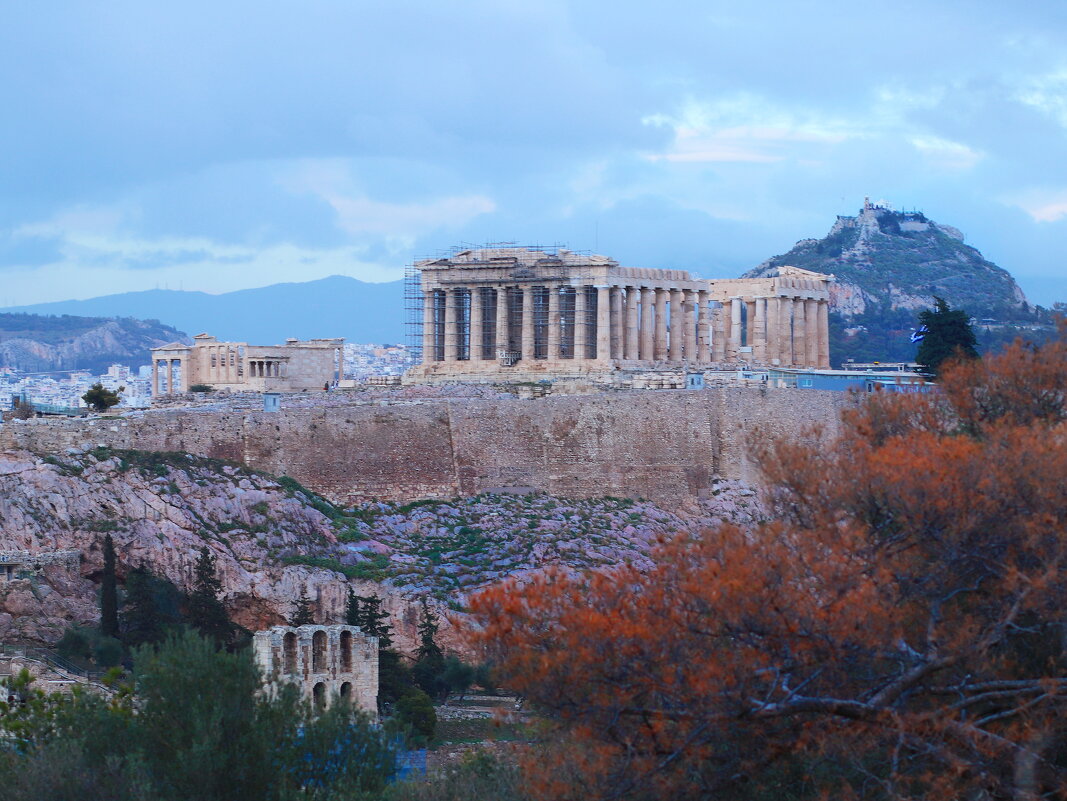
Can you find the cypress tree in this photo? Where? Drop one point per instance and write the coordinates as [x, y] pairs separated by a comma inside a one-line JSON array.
[[946, 333], [109, 597], [205, 612], [429, 661], [366, 612]]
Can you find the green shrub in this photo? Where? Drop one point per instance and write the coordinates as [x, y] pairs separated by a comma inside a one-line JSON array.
[[415, 710]]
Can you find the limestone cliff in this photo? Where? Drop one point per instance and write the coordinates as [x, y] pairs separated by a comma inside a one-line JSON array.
[[274, 541], [160, 509], [36, 343]]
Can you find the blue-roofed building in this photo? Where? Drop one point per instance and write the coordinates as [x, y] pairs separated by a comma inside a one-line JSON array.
[[859, 380]]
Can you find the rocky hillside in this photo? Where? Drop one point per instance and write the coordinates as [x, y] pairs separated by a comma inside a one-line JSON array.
[[38, 343], [274, 540], [889, 266]]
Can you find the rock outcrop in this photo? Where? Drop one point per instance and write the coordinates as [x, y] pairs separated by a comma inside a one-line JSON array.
[[889, 265], [273, 541]]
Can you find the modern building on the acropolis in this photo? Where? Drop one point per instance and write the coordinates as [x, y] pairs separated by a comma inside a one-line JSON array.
[[520, 313], [237, 366]]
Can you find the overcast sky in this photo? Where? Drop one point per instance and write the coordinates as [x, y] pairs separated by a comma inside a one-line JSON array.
[[222, 145]]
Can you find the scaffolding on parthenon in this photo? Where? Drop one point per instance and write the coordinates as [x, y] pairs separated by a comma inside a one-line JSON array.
[[476, 311]]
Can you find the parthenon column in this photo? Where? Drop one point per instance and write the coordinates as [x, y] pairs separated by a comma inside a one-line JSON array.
[[703, 328], [774, 331], [501, 320], [581, 322], [617, 322], [690, 314], [785, 331], [733, 347], [718, 334], [750, 324], [659, 343], [603, 323], [476, 352], [450, 325], [758, 326], [648, 316], [527, 324], [155, 376], [633, 298], [800, 333], [553, 323], [811, 317], [677, 334], [824, 334]]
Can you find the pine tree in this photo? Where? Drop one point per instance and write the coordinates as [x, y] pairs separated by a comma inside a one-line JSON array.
[[946, 333], [109, 597], [205, 612], [141, 621], [354, 609], [366, 612], [303, 615]]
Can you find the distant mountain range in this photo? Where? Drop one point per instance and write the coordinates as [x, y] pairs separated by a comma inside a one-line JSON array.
[[35, 343], [337, 306], [889, 266]]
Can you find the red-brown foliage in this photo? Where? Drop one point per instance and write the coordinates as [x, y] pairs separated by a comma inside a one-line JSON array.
[[902, 618]]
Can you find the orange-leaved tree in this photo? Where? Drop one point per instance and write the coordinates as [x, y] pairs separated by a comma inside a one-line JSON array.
[[896, 629]]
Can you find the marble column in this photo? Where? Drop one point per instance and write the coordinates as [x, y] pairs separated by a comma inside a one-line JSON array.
[[811, 317], [676, 341], [758, 327], [690, 314], [733, 347], [603, 323], [785, 331], [581, 319], [659, 343], [155, 377], [824, 334], [703, 328], [477, 352], [501, 321], [773, 347], [617, 323], [450, 325], [718, 333], [553, 323], [633, 296], [750, 317], [800, 333], [648, 317], [527, 324]]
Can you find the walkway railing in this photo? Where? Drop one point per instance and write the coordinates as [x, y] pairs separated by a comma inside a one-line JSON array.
[[52, 660]]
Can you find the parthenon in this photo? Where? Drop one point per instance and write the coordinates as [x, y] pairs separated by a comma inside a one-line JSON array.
[[516, 312]]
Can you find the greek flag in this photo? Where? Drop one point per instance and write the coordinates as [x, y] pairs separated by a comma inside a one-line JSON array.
[[917, 336]]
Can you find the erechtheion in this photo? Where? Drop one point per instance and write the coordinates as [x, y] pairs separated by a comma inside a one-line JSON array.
[[519, 313], [237, 366]]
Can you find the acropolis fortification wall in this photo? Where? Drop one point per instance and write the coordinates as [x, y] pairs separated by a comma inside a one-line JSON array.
[[667, 445]]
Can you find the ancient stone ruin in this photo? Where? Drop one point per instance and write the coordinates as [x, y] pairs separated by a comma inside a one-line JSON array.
[[514, 314], [240, 367], [330, 664]]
